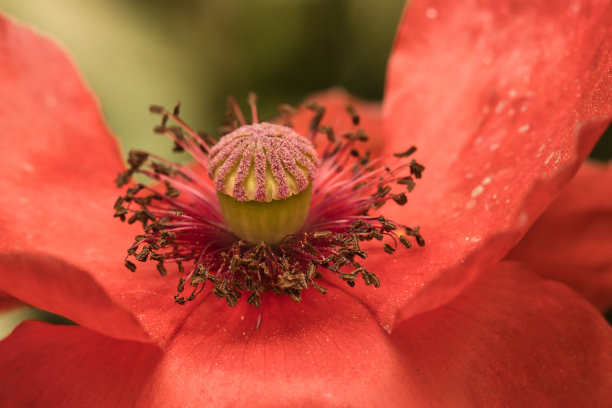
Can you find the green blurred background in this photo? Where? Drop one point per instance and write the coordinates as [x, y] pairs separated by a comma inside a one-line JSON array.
[[134, 53], [137, 52]]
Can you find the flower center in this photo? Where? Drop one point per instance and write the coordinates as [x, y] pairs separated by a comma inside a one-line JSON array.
[[261, 222], [263, 175]]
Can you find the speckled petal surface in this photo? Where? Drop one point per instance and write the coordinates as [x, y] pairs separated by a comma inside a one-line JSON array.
[[504, 101]]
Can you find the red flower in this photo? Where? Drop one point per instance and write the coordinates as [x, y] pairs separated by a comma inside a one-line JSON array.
[[504, 100]]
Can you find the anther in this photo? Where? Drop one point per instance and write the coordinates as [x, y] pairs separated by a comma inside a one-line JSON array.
[[353, 113], [406, 153]]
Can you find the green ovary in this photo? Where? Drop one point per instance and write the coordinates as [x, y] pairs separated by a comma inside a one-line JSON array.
[[270, 221]]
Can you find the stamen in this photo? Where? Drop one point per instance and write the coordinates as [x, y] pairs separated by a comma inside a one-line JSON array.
[[268, 167], [316, 119], [407, 153], [253, 103], [236, 110], [354, 116], [286, 111]]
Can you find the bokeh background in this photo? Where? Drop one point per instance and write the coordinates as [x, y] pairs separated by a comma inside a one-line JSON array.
[[134, 53]]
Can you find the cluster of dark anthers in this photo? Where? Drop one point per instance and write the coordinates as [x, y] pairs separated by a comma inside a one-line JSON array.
[[183, 223]]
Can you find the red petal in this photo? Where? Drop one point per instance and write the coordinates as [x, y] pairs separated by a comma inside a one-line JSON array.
[[504, 101], [56, 286], [70, 366], [510, 340], [327, 351], [335, 101], [310, 352], [59, 161], [324, 351], [572, 241]]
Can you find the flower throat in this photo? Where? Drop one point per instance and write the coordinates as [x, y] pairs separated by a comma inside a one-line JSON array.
[[267, 210]]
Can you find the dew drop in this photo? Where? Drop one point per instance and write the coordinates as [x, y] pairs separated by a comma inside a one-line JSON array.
[[500, 106], [431, 13], [522, 219], [27, 167], [477, 191]]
